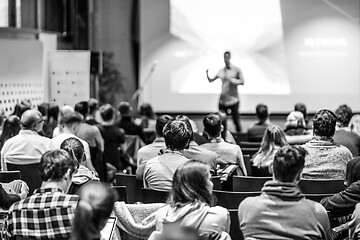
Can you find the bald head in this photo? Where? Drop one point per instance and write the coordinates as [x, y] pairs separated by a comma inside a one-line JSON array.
[[30, 118]]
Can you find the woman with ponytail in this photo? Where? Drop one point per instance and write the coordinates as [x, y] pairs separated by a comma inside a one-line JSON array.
[[83, 175], [93, 210]]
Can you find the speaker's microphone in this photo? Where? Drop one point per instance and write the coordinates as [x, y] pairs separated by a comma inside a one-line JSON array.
[[153, 65]]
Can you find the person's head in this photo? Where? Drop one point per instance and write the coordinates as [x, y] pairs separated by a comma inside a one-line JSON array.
[[288, 163], [262, 112], [107, 112], [71, 121], [191, 183], [273, 136], [93, 105], [353, 171], [177, 135], [94, 208], [146, 111], [343, 114], [161, 121], [301, 108], [75, 148], [227, 57], [57, 166], [186, 120], [32, 120], [324, 123], [82, 108], [212, 125], [354, 124], [11, 128], [44, 108], [295, 119], [21, 107], [53, 112], [125, 108]]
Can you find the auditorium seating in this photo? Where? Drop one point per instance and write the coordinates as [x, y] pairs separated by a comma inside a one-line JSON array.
[[317, 196], [244, 144], [133, 186], [29, 174], [235, 232], [231, 200], [153, 196], [249, 184], [249, 151], [248, 164], [8, 176], [216, 181], [121, 193], [321, 185]]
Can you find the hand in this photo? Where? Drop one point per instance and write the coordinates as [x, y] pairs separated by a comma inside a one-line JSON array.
[[24, 190]]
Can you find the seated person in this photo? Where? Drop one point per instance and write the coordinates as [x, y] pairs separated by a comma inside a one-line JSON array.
[[191, 203], [281, 211], [273, 140], [228, 154], [94, 208], [295, 124], [48, 213], [256, 132], [343, 203], [12, 192], [159, 171], [326, 159], [301, 107]]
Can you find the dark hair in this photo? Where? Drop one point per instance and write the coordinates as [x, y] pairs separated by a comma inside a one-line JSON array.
[[107, 112], [75, 148], [94, 208], [43, 108], [353, 171], [262, 112], [186, 120], [190, 184], [55, 163], [228, 53], [82, 108], [21, 107], [161, 121], [11, 128], [71, 118], [53, 112], [301, 108], [288, 163], [324, 123], [212, 125], [177, 135], [124, 108], [147, 111], [93, 105], [343, 115]]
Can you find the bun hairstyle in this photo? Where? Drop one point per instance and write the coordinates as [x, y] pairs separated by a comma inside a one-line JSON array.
[[54, 164], [94, 208], [75, 148]]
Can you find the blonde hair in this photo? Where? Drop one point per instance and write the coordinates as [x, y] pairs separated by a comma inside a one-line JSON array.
[[354, 124]]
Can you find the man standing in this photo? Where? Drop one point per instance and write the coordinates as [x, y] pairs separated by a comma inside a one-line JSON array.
[[281, 211], [231, 76]]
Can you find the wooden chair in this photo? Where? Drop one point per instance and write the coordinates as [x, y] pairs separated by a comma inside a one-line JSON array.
[[29, 174], [240, 137], [248, 164], [321, 185], [153, 196], [8, 176], [249, 151], [317, 196], [216, 181], [244, 144], [133, 186], [231, 200], [249, 184], [121, 193], [235, 232]]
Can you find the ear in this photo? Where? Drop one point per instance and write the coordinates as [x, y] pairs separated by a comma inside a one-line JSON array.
[[221, 128]]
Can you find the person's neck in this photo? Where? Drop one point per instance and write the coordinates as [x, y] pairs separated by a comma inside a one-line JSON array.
[[51, 184], [67, 130]]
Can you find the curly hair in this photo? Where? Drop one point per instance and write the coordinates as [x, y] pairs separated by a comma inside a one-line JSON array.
[[343, 115], [324, 123]]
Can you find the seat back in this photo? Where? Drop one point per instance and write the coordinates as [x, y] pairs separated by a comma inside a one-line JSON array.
[[248, 164], [132, 145], [321, 185], [29, 174], [249, 184], [8, 176], [231, 200], [121, 193], [216, 181], [317, 196], [249, 151], [153, 196], [235, 232], [244, 144], [133, 186]]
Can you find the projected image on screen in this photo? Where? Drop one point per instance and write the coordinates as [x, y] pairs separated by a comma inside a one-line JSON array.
[[209, 28]]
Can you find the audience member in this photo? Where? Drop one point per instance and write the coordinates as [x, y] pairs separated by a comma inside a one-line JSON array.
[[52, 120], [27, 146], [225, 134], [89, 133], [43, 108], [93, 112], [147, 118], [281, 211], [83, 175], [326, 159], [94, 208], [295, 124], [11, 128], [354, 124], [150, 151], [177, 232], [256, 132], [343, 134], [273, 140], [196, 152], [159, 171], [21, 107], [113, 138], [12, 192], [47, 214], [228, 154], [343, 203], [126, 122], [301, 107], [69, 124], [191, 203], [64, 110]]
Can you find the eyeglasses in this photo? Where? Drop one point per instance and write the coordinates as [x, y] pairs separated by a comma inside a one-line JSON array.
[[40, 121]]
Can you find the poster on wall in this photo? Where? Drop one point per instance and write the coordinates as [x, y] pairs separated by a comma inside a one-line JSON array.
[[69, 77]]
